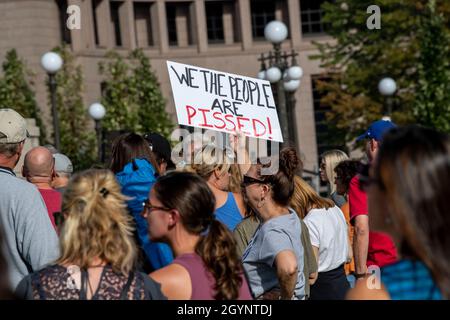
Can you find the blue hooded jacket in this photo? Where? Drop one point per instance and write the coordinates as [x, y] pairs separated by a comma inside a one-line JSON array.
[[136, 182]]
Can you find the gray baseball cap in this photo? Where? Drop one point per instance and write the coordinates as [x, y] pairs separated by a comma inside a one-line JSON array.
[[62, 163], [13, 127]]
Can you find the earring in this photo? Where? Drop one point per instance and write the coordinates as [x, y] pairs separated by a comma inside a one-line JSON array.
[[261, 203]]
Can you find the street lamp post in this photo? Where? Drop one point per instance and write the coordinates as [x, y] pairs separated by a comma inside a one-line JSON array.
[[52, 62], [387, 88], [97, 112], [284, 76]]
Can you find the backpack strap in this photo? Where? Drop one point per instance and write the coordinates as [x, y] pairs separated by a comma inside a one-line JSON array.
[[124, 293]]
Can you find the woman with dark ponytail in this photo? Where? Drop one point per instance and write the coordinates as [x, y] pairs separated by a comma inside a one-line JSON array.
[[180, 212], [274, 258]]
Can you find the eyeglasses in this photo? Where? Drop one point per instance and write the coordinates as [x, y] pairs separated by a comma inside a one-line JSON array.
[[249, 180], [148, 207]]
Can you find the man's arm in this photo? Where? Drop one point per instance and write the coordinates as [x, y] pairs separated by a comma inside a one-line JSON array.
[[361, 243], [39, 244], [287, 272]]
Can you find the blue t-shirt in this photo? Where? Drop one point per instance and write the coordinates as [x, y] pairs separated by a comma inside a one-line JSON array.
[[229, 213], [272, 237]]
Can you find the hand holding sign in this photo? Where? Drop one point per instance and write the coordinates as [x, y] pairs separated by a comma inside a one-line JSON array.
[[225, 102]]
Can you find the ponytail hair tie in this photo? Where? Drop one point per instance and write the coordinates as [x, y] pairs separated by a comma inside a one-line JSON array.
[[104, 192]]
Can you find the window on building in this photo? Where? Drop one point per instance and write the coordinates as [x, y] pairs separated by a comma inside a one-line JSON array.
[[327, 135], [115, 20], [214, 21], [63, 16], [263, 12], [95, 4], [171, 24], [311, 15], [143, 26], [179, 23]]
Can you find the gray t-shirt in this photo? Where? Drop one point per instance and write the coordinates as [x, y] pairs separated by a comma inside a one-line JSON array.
[[30, 239], [272, 237], [338, 199]]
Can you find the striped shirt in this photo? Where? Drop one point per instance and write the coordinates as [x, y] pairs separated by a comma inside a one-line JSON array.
[[409, 280]]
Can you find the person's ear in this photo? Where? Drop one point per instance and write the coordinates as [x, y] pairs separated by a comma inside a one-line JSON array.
[[174, 218], [162, 167], [21, 145], [373, 145], [217, 173], [265, 189]]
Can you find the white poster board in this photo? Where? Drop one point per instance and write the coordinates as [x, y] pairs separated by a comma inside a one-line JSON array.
[[224, 102]]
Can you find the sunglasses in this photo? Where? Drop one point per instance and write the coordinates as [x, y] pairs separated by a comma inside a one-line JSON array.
[[249, 180], [148, 207]]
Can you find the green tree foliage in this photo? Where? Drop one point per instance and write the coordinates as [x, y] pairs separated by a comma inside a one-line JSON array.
[[132, 96], [152, 105], [16, 92], [432, 103], [359, 58], [119, 94], [77, 138]]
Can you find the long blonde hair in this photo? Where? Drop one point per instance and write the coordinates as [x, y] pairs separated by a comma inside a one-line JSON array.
[[332, 159], [306, 198], [97, 223]]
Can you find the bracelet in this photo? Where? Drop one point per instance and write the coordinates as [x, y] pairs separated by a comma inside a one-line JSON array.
[[360, 275]]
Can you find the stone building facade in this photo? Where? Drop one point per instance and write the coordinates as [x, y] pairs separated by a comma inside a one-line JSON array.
[[226, 35]]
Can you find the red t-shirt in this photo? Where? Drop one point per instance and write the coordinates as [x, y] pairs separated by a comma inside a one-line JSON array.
[[381, 249], [52, 199]]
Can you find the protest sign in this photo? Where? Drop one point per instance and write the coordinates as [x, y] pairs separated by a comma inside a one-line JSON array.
[[223, 101]]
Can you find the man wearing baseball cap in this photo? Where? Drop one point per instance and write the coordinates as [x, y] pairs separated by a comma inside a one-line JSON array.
[[63, 171], [161, 149], [30, 239], [369, 248]]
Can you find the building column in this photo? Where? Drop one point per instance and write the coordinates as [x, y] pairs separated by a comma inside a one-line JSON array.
[[161, 35], [77, 35], [201, 27], [182, 26], [126, 17], [103, 24], [87, 24], [228, 22], [295, 28], [245, 22]]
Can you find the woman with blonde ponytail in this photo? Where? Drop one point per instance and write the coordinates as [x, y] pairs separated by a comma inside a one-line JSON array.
[[214, 165], [180, 212], [98, 252]]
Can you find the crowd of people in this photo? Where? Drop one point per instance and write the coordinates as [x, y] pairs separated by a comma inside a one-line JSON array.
[[147, 228]]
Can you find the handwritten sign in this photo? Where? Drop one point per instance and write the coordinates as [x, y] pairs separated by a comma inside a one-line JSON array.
[[225, 102]]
